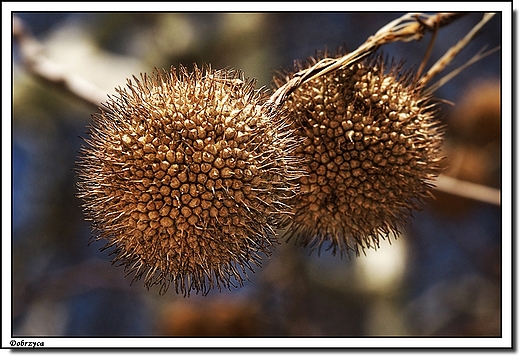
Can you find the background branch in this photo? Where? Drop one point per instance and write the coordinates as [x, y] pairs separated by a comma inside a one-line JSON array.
[[34, 59], [467, 190]]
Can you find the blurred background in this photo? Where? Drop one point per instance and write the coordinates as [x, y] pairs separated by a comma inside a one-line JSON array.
[[441, 277]]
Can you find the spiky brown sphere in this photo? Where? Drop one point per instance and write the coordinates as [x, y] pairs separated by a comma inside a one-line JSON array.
[[371, 147], [186, 176]]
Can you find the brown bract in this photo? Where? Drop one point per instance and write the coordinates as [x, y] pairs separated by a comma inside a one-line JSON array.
[[371, 147], [187, 176]]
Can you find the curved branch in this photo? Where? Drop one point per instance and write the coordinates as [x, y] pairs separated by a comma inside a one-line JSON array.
[[409, 27]]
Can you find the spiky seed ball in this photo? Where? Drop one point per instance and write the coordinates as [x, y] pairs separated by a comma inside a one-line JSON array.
[[186, 176], [371, 146]]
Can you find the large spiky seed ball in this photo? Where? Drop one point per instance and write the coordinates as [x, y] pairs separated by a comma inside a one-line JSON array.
[[371, 146], [186, 176]]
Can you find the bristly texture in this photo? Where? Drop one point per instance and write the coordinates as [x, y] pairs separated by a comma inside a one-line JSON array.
[[187, 176], [371, 146]]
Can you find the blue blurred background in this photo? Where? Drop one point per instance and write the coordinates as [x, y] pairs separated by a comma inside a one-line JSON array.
[[442, 277]]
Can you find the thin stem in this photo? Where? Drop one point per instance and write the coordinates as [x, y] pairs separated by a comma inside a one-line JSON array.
[[428, 53], [469, 190], [477, 57], [453, 51]]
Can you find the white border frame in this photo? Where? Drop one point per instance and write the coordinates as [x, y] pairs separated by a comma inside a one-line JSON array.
[[313, 342]]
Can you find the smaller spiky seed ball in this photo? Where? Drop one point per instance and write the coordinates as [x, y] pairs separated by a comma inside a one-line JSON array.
[[186, 176], [371, 147]]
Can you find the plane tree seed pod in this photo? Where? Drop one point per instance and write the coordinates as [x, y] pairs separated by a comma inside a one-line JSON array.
[[187, 176], [371, 148]]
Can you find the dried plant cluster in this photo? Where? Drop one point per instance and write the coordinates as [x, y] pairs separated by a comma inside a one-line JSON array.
[[371, 148], [187, 176], [192, 177]]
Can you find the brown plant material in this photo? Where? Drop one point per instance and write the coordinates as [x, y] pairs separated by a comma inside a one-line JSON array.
[[371, 147], [217, 317], [476, 118], [187, 176]]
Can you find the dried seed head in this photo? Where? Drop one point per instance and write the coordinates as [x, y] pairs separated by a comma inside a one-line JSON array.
[[371, 147], [186, 176]]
